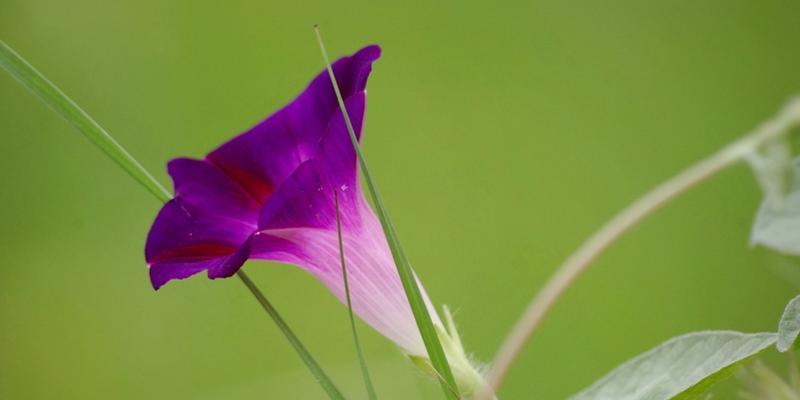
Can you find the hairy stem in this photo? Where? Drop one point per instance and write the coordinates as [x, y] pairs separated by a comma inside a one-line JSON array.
[[629, 217]]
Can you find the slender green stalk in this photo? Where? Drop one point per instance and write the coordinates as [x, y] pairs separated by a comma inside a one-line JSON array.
[[580, 260], [793, 372], [316, 370], [407, 277], [64, 106], [361, 360], [26, 74]]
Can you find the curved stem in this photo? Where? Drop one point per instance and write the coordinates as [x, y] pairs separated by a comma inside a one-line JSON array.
[[581, 259]]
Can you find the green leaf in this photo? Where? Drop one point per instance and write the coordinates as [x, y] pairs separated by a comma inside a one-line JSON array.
[[772, 166], [681, 368], [407, 277], [789, 326], [361, 360], [64, 106]]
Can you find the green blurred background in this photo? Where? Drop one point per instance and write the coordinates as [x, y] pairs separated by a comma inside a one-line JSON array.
[[501, 135]]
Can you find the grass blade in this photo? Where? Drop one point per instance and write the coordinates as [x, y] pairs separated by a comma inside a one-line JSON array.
[[316, 370], [361, 360], [20, 69], [420, 311], [26, 74]]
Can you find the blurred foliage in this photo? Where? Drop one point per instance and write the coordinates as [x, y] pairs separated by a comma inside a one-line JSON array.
[[761, 383], [501, 135]]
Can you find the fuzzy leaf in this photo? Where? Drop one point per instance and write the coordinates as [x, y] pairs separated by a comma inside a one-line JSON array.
[[789, 327], [682, 367], [777, 224]]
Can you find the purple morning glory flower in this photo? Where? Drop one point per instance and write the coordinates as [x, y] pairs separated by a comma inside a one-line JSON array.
[[268, 194]]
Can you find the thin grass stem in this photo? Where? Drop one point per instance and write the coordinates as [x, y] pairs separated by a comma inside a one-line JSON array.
[[419, 309], [361, 359], [320, 375], [59, 102], [48, 92]]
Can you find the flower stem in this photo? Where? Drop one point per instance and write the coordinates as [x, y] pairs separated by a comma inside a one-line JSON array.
[[629, 217]]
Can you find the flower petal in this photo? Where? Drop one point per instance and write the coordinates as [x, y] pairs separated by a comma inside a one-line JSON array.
[[203, 228], [185, 240], [298, 226], [261, 158], [208, 226], [305, 199], [376, 293], [209, 189]]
